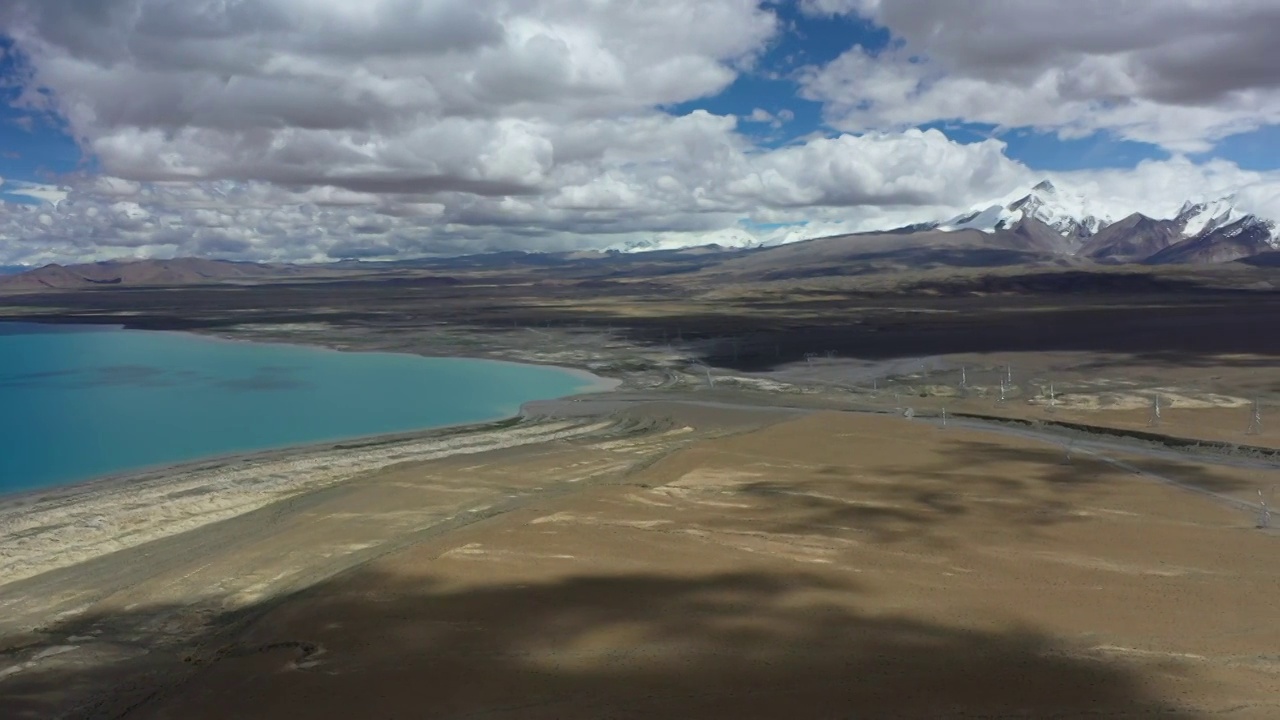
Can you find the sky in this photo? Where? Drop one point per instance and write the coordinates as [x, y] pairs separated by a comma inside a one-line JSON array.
[[314, 130]]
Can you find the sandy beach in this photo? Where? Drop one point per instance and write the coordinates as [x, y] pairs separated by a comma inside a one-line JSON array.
[[48, 529]]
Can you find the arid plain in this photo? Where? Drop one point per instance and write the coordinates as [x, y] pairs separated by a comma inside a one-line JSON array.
[[769, 517]]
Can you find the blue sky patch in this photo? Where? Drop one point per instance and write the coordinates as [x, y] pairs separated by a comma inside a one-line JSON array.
[[1254, 150], [34, 147], [771, 85], [814, 41]]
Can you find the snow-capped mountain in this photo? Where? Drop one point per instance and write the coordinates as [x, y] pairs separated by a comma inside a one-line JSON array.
[[1202, 232], [1202, 217], [731, 238], [1226, 241], [1054, 223], [1215, 230], [1069, 214]]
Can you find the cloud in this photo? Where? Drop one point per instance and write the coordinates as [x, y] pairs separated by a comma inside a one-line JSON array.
[[1158, 188], [690, 175], [775, 121], [51, 194], [1179, 73], [308, 130], [823, 187], [379, 95], [617, 179], [879, 169], [828, 8]]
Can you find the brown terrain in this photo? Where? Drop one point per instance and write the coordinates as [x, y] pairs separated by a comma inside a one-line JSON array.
[[768, 518], [825, 567], [180, 271], [828, 565]]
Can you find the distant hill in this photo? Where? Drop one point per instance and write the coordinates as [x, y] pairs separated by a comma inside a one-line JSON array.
[[1271, 258], [1200, 234], [51, 276], [878, 252], [1132, 239], [179, 271]]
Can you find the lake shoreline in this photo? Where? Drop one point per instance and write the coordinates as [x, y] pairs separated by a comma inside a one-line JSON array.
[[327, 342], [21, 497], [226, 461], [53, 528], [58, 526]]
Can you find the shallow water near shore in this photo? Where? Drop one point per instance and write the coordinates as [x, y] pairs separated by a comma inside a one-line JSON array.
[[83, 402]]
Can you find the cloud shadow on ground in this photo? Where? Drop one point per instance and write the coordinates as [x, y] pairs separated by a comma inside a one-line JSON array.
[[624, 646]]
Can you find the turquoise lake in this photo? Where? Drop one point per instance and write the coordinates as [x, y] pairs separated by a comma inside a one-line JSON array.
[[82, 402]]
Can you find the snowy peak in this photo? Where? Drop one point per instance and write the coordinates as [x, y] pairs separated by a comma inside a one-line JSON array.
[[1070, 215], [987, 219], [1205, 217], [1246, 237], [1218, 224], [1204, 230], [1252, 225], [728, 238]]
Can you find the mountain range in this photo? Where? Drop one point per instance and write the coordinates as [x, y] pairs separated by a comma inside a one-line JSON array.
[[1066, 224], [178, 271], [1202, 232], [1043, 226]]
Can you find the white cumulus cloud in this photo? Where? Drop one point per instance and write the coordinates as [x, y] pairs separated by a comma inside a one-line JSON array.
[[1177, 73], [317, 129]]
